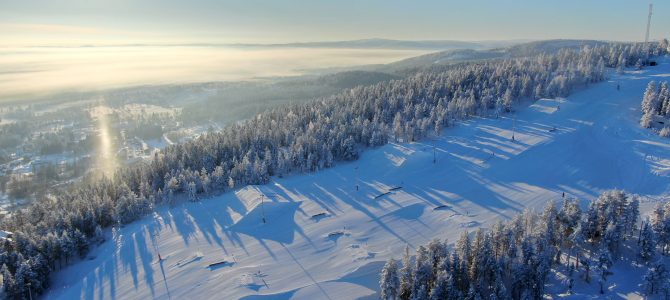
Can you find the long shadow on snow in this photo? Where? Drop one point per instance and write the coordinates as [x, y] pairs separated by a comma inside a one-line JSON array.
[[128, 255], [108, 270], [470, 186], [183, 220], [146, 257], [96, 278], [359, 205], [280, 226], [461, 148]]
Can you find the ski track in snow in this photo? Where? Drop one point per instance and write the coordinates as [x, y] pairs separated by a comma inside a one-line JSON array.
[[592, 143]]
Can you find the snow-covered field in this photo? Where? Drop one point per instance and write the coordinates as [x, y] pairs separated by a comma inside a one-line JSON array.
[[590, 144]]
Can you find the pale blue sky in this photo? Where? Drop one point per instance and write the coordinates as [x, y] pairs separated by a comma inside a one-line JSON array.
[[254, 21]]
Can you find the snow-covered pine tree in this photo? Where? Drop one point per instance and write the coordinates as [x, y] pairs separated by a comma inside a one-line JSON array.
[[660, 223], [571, 280], [205, 181], [423, 272], [218, 178], [477, 257], [498, 290], [549, 226], [569, 216], [655, 281], [80, 242], [9, 284], [646, 243], [604, 263], [665, 45], [444, 287], [24, 279], [389, 282], [589, 224], [349, 149], [437, 253], [406, 276], [649, 99], [507, 100], [192, 192], [421, 293], [664, 132], [587, 269], [463, 249], [473, 294], [99, 235], [541, 266], [663, 102], [458, 272], [632, 214], [646, 120], [612, 238]]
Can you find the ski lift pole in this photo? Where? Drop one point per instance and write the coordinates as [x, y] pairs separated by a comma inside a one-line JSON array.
[[157, 235], [30, 292], [262, 208], [513, 127], [646, 37], [357, 179]]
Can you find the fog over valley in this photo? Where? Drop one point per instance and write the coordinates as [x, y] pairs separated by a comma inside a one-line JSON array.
[[40, 71]]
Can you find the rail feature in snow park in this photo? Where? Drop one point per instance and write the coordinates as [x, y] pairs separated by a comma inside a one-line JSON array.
[[222, 263], [319, 216], [391, 190]]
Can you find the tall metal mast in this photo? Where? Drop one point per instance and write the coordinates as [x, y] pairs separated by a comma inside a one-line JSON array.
[[646, 37]]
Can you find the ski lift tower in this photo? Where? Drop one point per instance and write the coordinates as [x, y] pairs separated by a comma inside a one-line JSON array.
[[646, 37], [262, 208], [513, 127]]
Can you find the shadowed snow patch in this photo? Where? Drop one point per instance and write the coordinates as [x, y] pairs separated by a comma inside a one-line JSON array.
[[280, 223]]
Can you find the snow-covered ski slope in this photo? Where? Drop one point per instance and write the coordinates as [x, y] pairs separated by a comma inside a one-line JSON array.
[[592, 143]]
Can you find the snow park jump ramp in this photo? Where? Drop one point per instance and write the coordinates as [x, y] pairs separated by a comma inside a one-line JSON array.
[[581, 145]]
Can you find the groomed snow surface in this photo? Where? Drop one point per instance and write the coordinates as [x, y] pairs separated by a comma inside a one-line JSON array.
[[323, 239]]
